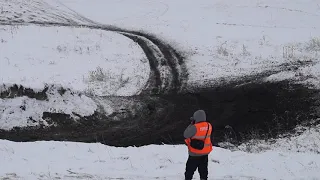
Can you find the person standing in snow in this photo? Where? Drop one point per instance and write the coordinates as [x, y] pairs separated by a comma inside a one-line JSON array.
[[197, 138]]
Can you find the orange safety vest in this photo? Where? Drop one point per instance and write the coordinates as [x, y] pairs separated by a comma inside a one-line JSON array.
[[200, 134]]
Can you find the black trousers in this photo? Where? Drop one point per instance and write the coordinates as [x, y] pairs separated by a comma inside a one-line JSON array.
[[194, 162]]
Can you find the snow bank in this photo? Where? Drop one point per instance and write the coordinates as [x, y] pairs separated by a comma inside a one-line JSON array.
[[66, 160], [25, 112], [101, 62], [306, 140]]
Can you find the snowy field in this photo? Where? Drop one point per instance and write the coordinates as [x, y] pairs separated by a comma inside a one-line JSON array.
[[83, 60], [296, 158], [293, 158], [221, 39], [78, 58]]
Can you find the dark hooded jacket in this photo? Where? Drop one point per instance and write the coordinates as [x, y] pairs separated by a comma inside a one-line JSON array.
[[191, 130]]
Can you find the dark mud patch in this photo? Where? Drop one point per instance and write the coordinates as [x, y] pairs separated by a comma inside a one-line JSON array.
[[19, 91], [262, 109], [268, 109]]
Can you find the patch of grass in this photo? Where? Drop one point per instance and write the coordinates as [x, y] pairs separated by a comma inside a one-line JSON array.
[[222, 50], [19, 91], [104, 79], [61, 49], [245, 52], [313, 45], [99, 74]]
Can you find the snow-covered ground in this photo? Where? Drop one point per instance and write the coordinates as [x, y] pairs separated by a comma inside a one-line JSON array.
[[96, 62], [71, 160], [291, 158], [78, 58], [219, 38], [223, 38]]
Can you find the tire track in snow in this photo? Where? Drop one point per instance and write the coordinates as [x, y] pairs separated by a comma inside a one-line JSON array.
[[168, 73], [178, 71]]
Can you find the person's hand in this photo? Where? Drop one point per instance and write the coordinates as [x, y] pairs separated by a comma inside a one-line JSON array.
[[192, 120]]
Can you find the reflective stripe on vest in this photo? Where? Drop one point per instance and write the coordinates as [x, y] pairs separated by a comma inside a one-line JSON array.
[[200, 137], [202, 128]]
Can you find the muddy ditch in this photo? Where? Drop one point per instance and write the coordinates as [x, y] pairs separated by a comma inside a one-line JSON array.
[[236, 112]]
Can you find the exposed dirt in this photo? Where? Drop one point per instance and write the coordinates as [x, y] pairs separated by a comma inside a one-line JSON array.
[[266, 108], [19, 91]]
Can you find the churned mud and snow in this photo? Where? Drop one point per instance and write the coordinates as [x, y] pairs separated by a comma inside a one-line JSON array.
[[27, 112]]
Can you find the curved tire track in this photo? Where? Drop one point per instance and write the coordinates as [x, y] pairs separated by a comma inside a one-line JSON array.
[[168, 73], [170, 79]]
